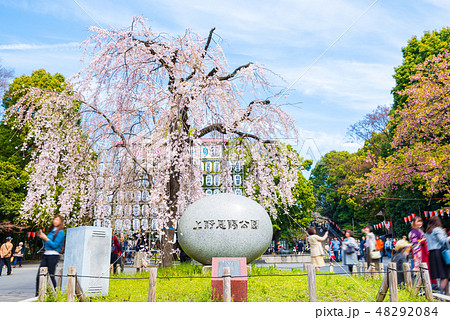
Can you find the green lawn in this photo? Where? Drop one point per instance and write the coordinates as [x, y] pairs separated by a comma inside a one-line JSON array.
[[261, 288]]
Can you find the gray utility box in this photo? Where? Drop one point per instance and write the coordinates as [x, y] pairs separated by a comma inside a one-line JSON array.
[[89, 250]]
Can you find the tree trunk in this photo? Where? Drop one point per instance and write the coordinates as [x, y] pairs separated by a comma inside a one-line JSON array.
[[167, 240]]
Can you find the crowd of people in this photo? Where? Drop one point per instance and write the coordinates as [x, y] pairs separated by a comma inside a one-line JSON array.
[[418, 247]]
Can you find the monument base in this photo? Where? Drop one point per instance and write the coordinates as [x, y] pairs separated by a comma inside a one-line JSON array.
[[238, 269], [238, 290]]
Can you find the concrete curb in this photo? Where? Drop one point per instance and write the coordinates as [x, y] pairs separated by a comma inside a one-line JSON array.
[[29, 299]]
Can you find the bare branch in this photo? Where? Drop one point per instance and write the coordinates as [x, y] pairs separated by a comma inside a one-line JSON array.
[[218, 127], [231, 75]]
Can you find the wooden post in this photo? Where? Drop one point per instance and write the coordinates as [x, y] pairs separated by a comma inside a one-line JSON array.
[[71, 284], [43, 272], [355, 269], [59, 279], [393, 283], [52, 289], [366, 270], [407, 275], [312, 283], [226, 276], [383, 289], [152, 284], [79, 290], [423, 268], [111, 269], [417, 285]]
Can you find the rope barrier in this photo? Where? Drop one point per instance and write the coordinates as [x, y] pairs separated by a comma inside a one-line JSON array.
[[247, 276]]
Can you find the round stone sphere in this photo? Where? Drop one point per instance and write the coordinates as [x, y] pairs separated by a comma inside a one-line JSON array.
[[224, 225]]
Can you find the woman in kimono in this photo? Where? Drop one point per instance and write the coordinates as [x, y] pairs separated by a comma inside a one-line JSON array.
[[417, 238]]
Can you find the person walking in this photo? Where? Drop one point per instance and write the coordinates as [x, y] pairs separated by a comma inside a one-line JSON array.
[[315, 245], [362, 248], [5, 256], [53, 244], [379, 245], [349, 248], [123, 248], [438, 239], [336, 247], [18, 255], [388, 247], [116, 253], [300, 246], [372, 257]]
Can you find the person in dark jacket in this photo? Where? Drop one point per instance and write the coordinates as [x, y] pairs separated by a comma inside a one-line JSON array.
[[300, 246], [362, 249]]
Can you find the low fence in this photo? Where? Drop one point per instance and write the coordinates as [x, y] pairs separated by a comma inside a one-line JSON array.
[[389, 282]]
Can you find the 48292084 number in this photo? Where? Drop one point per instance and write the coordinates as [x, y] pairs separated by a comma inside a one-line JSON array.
[[406, 311]]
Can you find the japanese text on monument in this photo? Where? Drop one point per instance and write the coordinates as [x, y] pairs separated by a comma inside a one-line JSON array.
[[226, 224]]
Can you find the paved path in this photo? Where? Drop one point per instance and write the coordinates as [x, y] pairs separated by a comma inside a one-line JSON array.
[[20, 285]]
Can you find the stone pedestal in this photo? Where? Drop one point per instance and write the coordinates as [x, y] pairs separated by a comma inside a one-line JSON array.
[[89, 250], [238, 268]]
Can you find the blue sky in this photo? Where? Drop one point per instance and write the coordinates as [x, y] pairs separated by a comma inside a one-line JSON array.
[[350, 80]]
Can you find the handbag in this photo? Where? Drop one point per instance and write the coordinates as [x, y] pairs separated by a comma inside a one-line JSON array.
[[375, 254], [446, 255], [349, 250]]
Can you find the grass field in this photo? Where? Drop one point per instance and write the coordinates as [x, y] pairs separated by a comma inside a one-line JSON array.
[[264, 285]]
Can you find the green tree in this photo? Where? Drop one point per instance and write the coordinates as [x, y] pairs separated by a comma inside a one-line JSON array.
[[291, 221], [334, 178], [415, 53]]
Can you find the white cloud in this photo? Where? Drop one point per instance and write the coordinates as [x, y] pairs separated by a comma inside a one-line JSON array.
[[320, 142], [32, 46], [351, 84]]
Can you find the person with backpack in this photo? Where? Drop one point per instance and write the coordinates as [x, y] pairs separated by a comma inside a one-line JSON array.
[[116, 252], [18, 255], [5, 256], [53, 244]]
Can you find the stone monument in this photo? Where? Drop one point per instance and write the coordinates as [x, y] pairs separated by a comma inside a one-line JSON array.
[[224, 225], [89, 250]]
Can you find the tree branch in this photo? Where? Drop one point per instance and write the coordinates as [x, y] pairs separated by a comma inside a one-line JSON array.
[[248, 112], [231, 75], [218, 127], [208, 42]]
